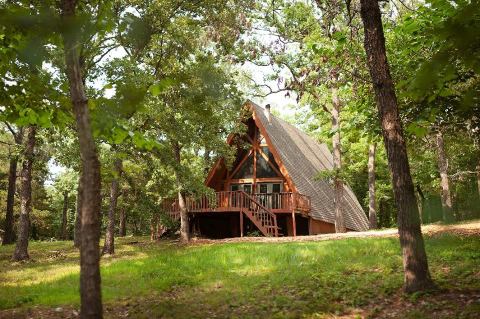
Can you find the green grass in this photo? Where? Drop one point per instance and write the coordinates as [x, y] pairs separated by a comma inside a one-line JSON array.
[[282, 280]]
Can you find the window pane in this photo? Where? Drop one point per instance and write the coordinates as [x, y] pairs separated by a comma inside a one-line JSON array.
[[261, 139], [269, 154], [263, 188], [276, 188], [263, 169], [246, 170]]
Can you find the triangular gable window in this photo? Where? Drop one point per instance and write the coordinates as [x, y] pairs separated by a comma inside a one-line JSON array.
[[261, 139], [246, 170], [271, 159], [263, 169]]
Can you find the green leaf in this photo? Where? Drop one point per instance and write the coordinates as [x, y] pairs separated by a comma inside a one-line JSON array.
[[160, 86], [417, 130]]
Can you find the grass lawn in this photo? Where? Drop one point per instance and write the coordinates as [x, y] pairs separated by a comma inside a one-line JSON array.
[[352, 277]]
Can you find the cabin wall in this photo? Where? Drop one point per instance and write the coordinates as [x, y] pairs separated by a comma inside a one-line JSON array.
[[320, 227]]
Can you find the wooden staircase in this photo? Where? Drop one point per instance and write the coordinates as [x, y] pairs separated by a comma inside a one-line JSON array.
[[260, 216]]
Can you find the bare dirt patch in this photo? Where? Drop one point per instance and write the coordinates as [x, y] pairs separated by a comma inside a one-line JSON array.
[[471, 228]]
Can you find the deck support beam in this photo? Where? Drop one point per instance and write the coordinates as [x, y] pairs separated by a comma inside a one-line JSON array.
[[241, 224], [294, 224]]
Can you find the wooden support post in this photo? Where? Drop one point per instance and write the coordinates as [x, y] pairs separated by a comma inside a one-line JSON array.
[[241, 224], [241, 199], [294, 224]]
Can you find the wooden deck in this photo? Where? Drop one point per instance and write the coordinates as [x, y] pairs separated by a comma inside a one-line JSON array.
[[261, 209], [235, 201]]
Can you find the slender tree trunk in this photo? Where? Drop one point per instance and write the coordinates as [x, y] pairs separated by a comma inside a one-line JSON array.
[[90, 286], [77, 235], [417, 276], [9, 236], [64, 235], [337, 164], [422, 206], [21, 249], [123, 224], [478, 178], [372, 211], [109, 247], [206, 158], [184, 223], [153, 227], [445, 185]]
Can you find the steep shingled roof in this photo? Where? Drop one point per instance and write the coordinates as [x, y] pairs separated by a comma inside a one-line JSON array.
[[304, 158]]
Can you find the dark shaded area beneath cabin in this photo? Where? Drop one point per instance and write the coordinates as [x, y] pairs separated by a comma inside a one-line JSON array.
[[227, 225]]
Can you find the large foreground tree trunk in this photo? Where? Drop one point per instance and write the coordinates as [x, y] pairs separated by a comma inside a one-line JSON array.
[[444, 184], [372, 211], [337, 164], [21, 249], [417, 275], [90, 287], [109, 246], [123, 223], [64, 234], [9, 236], [184, 223]]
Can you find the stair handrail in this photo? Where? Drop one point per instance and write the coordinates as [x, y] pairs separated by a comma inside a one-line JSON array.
[[263, 208]]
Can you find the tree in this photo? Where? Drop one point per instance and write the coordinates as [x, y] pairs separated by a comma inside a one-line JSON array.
[[9, 236], [122, 228], [372, 211], [337, 163], [445, 185], [90, 291], [21, 248], [417, 276], [109, 247]]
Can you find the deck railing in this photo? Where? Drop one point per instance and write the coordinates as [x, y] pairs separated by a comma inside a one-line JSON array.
[[234, 200]]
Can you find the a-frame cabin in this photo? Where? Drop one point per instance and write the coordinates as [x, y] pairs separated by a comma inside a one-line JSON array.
[[272, 188]]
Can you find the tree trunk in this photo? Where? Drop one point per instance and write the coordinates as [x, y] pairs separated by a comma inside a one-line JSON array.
[[422, 207], [417, 276], [109, 247], [184, 226], [337, 164], [77, 236], [445, 185], [63, 234], [478, 178], [90, 287], [206, 158], [153, 227], [372, 211], [123, 224], [21, 249], [9, 236]]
